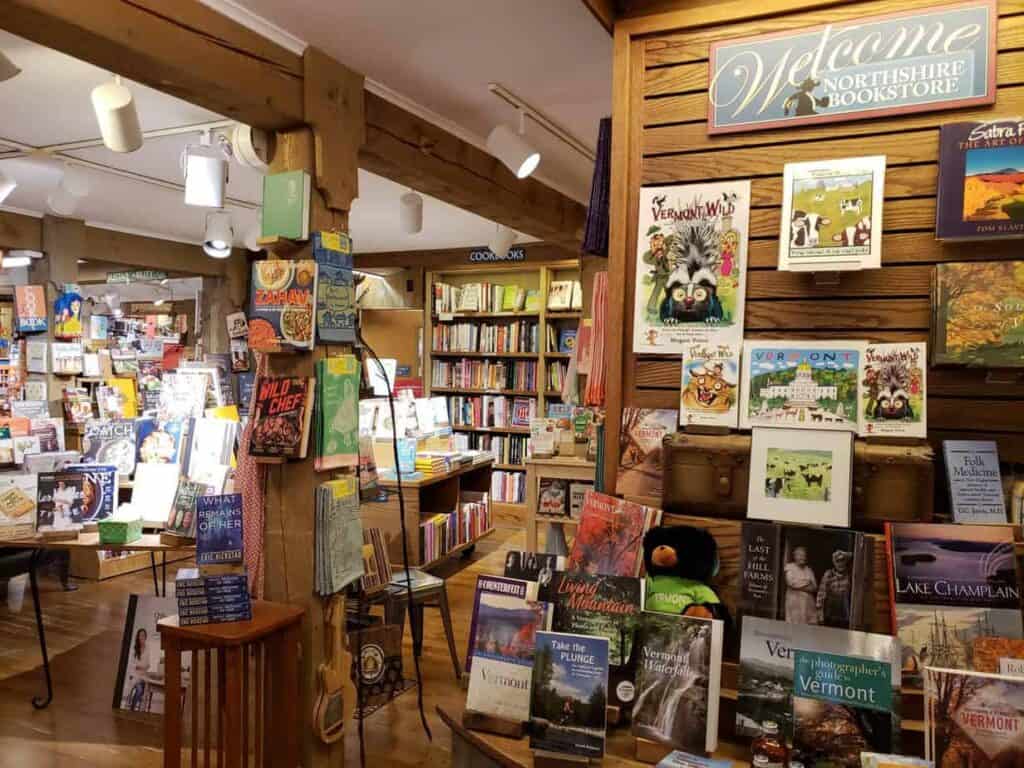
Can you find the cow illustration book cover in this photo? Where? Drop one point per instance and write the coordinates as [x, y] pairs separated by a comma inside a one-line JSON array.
[[691, 265], [709, 391], [893, 393], [832, 215]]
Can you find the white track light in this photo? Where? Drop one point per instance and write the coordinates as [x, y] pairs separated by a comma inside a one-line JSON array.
[[410, 213], [8, 68], [219, 235], [7, 185], [115, 112], [509, 147], [501, 241], [206, 175]]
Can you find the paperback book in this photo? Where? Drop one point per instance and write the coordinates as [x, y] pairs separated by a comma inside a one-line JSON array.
[[678, 681], [30, 308], [159, 441], [609, 538], [18, 495], [282, 413], [336, 434], [974, 481], [219, 529], [140, 685], [335, 293], [709, 393], [338, 538], [110, 441], [893, 393], [153, 492], [211, 442], [553, 497], [182, 520], [640, 471], [59, 500], [282, 300]]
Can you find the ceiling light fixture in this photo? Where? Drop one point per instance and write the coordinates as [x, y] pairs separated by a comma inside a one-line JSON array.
[[501, 241], [8, 68], [410, 213], [158, 302], [542, 120], [512, 149], [219, 235], [206, 174], [116, 114], [7, 185], [11, 260]]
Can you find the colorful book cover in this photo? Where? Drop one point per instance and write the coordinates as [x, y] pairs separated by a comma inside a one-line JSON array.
[[893, 390], [30, 308], [640, 471], [678, 681], [281, 415], [691, 265], [709, 391], [532, 566], [18, 499], [553, 497], [59, 500], [609, 538], [766, 670], [567, 341], [974, 481], [219, 529], [140, 671], [569, 695], [286, 198], [99, 490], [335, 297], [182, 520], [282, 299], [67, 313], [842, 706], [978, 314], [981, 180], [159, 441], [337, 441], [1001, 655], [110, 441], [506, 619]]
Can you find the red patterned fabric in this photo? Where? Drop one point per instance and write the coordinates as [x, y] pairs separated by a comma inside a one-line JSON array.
[[250, 480], [595, 391]]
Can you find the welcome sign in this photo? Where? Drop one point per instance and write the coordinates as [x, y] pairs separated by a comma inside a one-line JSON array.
[[936, 58]]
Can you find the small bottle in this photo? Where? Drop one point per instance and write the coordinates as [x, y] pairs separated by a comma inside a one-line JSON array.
[[767, 750]]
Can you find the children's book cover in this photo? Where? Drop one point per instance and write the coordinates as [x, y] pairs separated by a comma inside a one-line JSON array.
[[709, 392], [691, 265], [893, 393]]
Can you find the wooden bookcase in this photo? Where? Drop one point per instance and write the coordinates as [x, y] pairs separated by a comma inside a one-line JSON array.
[[529, 276]]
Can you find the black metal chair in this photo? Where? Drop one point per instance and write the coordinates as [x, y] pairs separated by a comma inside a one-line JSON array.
[[14, 562]]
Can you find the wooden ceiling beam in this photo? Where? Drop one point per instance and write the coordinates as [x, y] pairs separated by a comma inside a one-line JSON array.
[[604, 11]]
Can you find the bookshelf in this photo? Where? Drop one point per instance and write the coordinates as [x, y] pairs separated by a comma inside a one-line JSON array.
[[449, 379]]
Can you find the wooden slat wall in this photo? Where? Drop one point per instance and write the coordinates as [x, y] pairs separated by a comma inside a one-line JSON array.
[[660, 102]]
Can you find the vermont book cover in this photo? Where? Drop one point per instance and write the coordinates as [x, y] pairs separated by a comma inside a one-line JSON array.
[[691, 264], [282, 412], [610, 534], [709, 391], [640, 439], [281, 306], [568, 695], [678, 681], [766, 681], [219, 530], [893, 393], [110, 441], [506, 619]]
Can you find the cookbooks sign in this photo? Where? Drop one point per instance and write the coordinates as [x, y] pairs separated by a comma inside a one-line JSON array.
[[936, 58]]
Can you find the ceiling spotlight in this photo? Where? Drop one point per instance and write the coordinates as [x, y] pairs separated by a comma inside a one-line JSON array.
[[206, 174], [8, 68], [510, 147], [410, 213], [219, 235], [7, 185], [115, 112], [501, 241]]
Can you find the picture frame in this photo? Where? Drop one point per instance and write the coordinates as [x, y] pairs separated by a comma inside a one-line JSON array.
[[801, 476], [832, 215]]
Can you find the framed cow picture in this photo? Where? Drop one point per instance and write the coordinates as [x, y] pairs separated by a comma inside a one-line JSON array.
[[832, 215]]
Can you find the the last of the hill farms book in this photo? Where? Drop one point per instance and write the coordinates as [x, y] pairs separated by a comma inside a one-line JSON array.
[[219, 534], [569, 695]]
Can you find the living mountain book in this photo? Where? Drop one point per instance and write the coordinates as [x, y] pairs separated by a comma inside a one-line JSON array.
[[219, 529], [335, 290], [766, 669], [892, 393], [506, 619], [110, 441], [282, 413], [975, 485], [282, 305], [568, 695], [678, 681], [336, 434], [609, 537], [642, 431]]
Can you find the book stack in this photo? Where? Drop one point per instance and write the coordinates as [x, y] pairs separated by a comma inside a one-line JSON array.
[[432, 463], [211, 599]]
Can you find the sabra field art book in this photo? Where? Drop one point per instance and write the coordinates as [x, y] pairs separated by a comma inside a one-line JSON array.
[[766, 670], [832, 215], [506, 619], [281, 305], [974, 481], [981, 180], [219, 529], [893, 392], [710, 389], [950, 584], [978, 314], [282, 412], [568, 695], [691, 265], [335, 292], [609, 537], [678, 681], [640, 439], [973, 719]]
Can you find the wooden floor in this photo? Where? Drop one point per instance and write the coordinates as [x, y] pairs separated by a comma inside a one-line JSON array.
[[84, 636]]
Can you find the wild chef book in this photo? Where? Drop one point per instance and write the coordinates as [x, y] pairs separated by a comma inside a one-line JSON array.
[[506, 619], [219, 530], [678, 681], [568, 695], [766, 671], [281, 306], [282, 413], [610, 534]]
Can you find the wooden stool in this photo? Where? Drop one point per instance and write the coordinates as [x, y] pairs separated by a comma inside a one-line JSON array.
[[394, 613], [256, 691]]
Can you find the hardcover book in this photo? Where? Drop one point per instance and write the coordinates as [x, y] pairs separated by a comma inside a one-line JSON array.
[[211, 442], [978, 314], [609, 538], [286, 198], [640, 472], [893, 392], [532, 566], [709, 392], [183, 394], [140, 672], [110, 441], [59, 500], [766, 670], [159, 441], [553, 497], [18, 494], [30, 308], [506, 619], [568, 695], [691, 265], [337, 409], [219, 529], [282, 302], [567, 341], [678, 681], [282, 413], [560, 295], [975, 485], [981, 180], [335, 293], [99, 490], [182, 520], [153, 492], [1002, 655]]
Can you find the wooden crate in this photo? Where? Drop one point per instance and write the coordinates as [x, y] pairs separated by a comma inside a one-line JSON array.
[[87, 563]]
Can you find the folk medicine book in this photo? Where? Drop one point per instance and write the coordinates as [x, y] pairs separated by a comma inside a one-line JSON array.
[[609, 538], [282, 413], [282, 304], [975, 485], [219, 530]]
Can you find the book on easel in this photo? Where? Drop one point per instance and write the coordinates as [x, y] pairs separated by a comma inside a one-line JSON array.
[[282, 414]]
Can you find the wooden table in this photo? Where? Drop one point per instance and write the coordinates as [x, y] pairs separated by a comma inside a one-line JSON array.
[[571, 468], [84, 542]]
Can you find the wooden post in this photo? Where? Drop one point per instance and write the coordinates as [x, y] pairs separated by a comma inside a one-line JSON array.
[[221, 296], [64, 242]]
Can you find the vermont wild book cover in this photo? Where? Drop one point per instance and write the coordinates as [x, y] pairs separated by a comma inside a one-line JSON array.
[[569, 694], [893, 393]]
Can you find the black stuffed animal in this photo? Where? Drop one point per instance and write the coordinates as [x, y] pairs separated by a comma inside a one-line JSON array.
[[680, 560]]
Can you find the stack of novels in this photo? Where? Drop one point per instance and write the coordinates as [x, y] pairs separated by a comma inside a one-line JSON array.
[[515, 337], [484, 374], [442, 533], [508, 487], [211, 599]]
